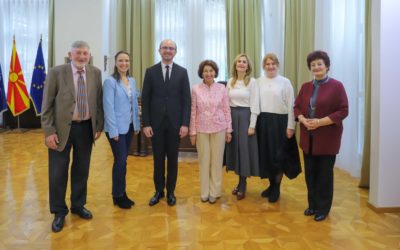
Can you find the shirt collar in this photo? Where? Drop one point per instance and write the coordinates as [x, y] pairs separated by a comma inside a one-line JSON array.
[[320, 82], [75, 69], [163, 65]]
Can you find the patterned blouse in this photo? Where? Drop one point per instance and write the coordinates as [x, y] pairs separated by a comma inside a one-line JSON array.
[[210, 109]]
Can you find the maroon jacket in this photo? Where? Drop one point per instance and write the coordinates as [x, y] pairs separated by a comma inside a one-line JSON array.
[[331, 101]]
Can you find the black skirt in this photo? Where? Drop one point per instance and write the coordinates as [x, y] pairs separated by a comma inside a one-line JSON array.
[[276, 152]]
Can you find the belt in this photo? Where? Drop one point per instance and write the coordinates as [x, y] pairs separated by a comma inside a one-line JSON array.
[[81, 121]]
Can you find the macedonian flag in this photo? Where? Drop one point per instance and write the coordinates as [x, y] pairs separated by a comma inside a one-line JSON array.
[[17, 95]]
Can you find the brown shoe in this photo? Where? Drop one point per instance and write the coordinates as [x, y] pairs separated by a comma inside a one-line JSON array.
[[240, 195], [235, 191]]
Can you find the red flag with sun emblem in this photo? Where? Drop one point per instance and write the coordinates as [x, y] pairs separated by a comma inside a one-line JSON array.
[[17, 95]]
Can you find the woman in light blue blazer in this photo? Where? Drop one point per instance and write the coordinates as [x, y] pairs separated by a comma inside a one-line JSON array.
[[121, 120]]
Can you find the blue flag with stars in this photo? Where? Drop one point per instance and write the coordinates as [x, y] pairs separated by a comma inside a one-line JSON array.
[[3, 101], [38, 77]]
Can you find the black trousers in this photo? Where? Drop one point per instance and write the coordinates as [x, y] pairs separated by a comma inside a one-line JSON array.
[[165, 143], [81, 141], [319, 180]]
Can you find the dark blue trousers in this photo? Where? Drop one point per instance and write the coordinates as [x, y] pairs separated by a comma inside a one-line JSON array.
[[120, 150]]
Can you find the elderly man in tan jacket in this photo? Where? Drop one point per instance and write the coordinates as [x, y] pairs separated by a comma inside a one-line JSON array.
[[72, 118]]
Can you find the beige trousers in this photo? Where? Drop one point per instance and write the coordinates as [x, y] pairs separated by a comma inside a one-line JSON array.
[[210, 149]]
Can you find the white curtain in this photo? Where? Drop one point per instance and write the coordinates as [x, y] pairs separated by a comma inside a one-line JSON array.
[[27, 20], [273, 30], [339, 30], [199, 30]]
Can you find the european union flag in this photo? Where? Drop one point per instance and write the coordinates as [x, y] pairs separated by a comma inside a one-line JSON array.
[[3, 101], [38, 77]]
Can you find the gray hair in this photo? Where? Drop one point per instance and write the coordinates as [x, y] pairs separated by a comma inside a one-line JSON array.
[[168, 40], [80, 44]]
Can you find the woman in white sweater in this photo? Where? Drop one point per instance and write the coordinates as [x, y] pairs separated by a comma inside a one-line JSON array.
[[242, 151], [277, 145]]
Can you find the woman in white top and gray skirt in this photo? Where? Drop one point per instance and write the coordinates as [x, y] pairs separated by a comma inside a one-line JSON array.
[[278, 153], [242, 151]]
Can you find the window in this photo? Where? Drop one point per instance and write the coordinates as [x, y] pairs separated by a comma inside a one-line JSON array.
[[198, 28], [341, 33], [273, 30], [28, 21]]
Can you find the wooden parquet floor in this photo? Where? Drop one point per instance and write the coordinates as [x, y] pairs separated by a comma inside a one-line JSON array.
[[252, 223]]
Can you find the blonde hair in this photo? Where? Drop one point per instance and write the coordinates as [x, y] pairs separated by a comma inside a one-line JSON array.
[[234, 71], [272, 57]]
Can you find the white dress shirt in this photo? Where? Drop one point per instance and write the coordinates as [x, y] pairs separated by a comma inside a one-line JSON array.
[[164, 69], [241, 95]]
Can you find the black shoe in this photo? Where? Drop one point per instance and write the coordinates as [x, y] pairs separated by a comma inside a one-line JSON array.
[[267, 192], [171, 199], [122, 202], [275, 193], [126, 196], [129, 200], [58, 223], [320, 217], [82, 212], [156, 198], [309, 212]]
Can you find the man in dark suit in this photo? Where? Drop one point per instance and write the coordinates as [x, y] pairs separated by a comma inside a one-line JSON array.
[[72, 117], [166, 115]]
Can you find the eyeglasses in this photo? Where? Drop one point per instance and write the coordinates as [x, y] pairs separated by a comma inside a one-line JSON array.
[[168, 48]]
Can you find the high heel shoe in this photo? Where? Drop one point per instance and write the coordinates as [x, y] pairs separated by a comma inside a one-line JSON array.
[[126, 197], [235, 190], [275, 193], [122, 202], [129, 200], [267, 192]]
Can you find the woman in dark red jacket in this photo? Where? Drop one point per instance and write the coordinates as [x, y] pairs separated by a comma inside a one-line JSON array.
[[320, 108]]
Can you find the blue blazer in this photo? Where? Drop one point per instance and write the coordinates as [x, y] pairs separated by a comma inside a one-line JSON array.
[[117, 107]]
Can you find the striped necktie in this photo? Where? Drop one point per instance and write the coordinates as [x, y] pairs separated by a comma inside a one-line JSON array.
[[81, 96]]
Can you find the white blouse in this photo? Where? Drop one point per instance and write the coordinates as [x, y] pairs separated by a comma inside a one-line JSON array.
[[245, 96], [276, 96]]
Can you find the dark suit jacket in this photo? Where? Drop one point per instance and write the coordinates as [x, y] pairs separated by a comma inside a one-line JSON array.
[[59, 99], [160, 99], [331, 101]]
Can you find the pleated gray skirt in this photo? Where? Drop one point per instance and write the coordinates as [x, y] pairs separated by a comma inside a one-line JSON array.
[[242, 151]]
